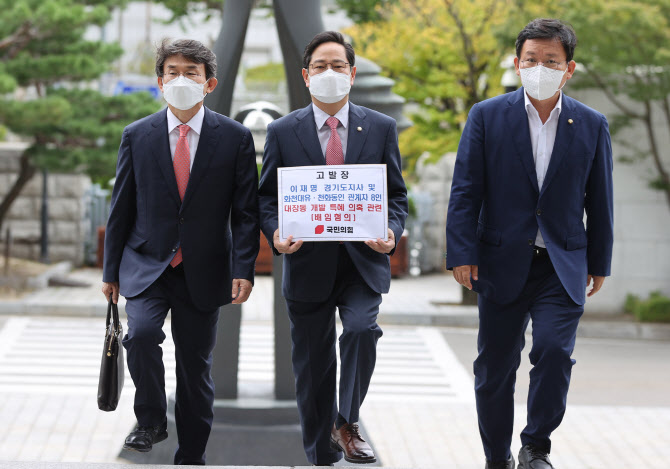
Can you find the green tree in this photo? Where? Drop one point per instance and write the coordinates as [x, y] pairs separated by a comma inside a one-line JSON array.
[[44, 56], [364, 11], [624, 51], [444, 56], [181, 9]]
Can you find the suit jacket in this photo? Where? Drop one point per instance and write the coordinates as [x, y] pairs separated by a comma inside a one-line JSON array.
[[309, 273], [216, 225], [496, 205]]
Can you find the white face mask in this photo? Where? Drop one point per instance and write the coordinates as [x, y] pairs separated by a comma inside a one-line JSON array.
[[183, 93], [329, 86], [541, 82]]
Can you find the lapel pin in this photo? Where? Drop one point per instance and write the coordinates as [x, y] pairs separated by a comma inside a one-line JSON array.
[[359, 129], [570, 121]]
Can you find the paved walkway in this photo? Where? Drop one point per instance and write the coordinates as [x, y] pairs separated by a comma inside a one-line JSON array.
[[413, 296], [426, 300], [420, 410]]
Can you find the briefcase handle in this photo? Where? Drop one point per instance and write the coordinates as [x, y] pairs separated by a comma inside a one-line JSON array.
[[112, 315]]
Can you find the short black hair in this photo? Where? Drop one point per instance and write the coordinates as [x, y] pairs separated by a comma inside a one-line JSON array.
[[193, 50], [322, 38], [548, 28]]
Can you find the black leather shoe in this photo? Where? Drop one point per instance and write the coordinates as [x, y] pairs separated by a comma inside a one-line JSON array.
[[509, 464], [142, 439], [532, 457]]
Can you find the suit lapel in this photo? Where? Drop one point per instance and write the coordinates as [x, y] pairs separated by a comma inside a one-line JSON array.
[[355, 137], [208, 139], [565, 133], [158, 141], [517, 120], [305, 131]]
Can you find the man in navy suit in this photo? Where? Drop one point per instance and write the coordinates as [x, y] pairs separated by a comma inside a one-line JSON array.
[[320, 277], [530, 164], [182, 235]]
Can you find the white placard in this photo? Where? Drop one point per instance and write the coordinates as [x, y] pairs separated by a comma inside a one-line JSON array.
[[333, 203]]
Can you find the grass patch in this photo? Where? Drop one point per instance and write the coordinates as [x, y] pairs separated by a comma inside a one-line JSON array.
[[656, 308]]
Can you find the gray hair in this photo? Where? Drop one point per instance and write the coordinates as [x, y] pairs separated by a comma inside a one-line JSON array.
[[193, 50]]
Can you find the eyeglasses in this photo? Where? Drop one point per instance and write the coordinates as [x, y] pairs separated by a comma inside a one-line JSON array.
[[530, 63], [173, 74], [337, 66]]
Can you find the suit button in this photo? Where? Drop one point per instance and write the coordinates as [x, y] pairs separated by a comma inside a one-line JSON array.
[[539, 212], [181, 221], [530, 242]]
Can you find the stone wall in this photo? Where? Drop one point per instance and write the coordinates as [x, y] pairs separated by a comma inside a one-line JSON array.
[[641, 258], [430, 196], [68, 228]]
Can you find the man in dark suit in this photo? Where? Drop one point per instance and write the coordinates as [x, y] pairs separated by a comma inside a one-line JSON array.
[[530, 164], [320, 277], [182, 235]]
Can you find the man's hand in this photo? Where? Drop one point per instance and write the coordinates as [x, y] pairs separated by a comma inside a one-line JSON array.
[[241, 290], [111, 288], [382, 246], [286, 247], [462, 275], [597, 284]]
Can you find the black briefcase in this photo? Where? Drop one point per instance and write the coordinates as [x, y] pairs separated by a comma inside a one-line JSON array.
[[112, 366]]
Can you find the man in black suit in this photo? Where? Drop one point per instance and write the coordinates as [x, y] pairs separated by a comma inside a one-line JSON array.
[[182, 235], [319, 277]]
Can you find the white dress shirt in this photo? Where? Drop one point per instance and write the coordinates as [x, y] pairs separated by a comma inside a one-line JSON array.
[[323, 131], [193, 136], [542, 137]]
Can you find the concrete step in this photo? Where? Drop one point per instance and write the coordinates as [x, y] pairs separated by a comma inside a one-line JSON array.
[[87, 465]]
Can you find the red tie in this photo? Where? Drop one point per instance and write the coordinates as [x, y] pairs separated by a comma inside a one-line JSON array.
[[182, 170], [334, 154]]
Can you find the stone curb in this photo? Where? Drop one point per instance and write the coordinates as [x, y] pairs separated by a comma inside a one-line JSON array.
[[593, 328], [24, 308], [447, 316], [42, 280]]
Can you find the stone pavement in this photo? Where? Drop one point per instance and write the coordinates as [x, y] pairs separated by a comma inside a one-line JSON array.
[[415, 297], [430, 300], [419, 412]]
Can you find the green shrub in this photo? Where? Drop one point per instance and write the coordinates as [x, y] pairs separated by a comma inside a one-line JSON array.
[[632, 301], [265, 77], [654, 309]]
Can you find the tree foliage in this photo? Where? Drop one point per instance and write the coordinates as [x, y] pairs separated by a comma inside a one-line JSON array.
[[364, 11], [444, 56], [182, 9], [46, 65]]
